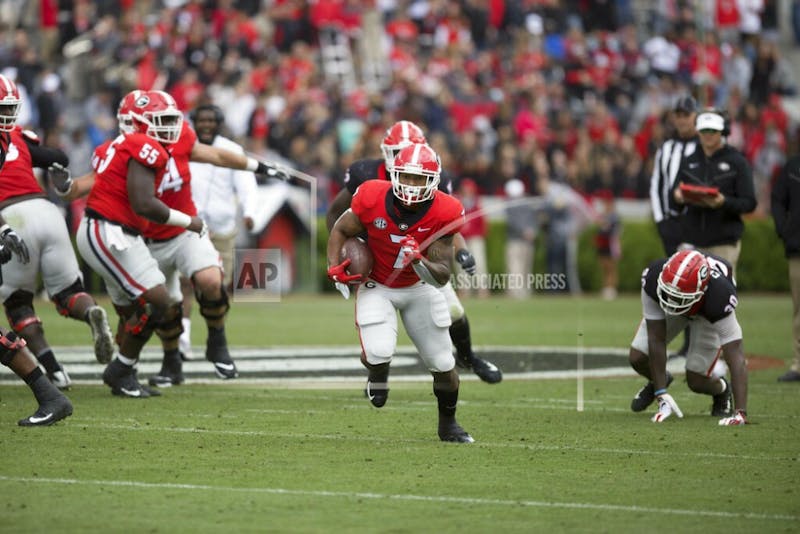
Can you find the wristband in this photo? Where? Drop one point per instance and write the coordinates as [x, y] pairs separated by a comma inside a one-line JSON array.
[[178, 218], [252, 164], [660, 392]]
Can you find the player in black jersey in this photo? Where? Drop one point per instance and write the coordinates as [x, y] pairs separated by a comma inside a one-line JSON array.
[[400, 135], [698, 290]]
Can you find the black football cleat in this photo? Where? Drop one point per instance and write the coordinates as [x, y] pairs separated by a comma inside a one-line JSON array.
[[171, 373], [122, 380], [450, 430], [486, 371], [49, 412], [645, 396], [376, 395], [723, 403], [60, 378], [166, 378], [224, 367]]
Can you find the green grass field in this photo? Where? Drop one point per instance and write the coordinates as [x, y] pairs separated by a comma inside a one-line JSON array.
[[275, 458]]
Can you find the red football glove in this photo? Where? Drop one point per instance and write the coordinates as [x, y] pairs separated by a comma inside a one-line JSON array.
[[409, 250], [338, 274]]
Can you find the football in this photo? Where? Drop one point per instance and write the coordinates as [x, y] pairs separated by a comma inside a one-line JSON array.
[[360, 257]]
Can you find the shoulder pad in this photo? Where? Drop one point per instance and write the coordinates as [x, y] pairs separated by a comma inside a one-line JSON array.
[[31, 136]]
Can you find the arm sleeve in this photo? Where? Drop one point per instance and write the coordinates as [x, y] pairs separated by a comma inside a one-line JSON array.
[[43, 156]]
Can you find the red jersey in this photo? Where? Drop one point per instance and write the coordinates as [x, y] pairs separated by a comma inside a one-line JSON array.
[[172, 184], [16, 176], [386, 225], [109, 195]]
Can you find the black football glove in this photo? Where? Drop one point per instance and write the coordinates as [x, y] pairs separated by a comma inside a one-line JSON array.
[[270, 171], [60, 178], [467, 261], [11, 240]]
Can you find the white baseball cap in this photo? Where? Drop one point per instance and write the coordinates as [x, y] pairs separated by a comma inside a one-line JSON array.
[[710, 121]]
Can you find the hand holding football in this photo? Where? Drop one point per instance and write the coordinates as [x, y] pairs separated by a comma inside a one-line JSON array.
[[360, 257]]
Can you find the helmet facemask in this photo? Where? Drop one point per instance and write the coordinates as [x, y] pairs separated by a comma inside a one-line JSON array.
[[682, 282]]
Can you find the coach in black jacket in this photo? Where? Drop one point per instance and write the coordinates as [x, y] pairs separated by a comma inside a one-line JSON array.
[[786, 212], [714, 224]]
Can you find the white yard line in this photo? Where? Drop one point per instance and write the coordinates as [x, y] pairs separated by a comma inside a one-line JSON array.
[[406, 497]]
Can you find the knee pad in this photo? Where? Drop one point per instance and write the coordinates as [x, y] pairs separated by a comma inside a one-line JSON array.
[[171, 327], [66, 298], [213, 309], [10, 343], [147, 318], [19, 310]]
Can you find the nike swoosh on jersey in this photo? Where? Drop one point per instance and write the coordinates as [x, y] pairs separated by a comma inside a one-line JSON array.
[[36, 420], [422, 229]]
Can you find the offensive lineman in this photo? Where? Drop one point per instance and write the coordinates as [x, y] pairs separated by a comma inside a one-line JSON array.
[[53, 405], [120, 206], [41, 225], [398, 136], [177, 251], [405, 218]]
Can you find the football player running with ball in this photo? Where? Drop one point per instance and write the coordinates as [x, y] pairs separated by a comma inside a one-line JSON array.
[[410, 226], [698, 290], [400, 135]]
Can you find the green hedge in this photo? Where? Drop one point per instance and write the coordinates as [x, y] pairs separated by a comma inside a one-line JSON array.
[[762, 265]]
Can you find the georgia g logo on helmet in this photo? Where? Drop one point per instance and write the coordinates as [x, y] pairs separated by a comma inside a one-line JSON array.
[[682, 282]]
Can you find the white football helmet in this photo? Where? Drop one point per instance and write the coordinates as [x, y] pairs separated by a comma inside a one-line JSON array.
[[10, 103], [400, 135], [415, 160], [155, 113]]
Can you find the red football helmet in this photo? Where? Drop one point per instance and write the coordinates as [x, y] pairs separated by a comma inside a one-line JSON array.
[[124, 111], [399, 136], [154, 113], [412, 163], [683, 281], [10, 103]]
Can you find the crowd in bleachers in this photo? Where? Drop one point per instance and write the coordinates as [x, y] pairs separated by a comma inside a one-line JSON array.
[[496, 84]]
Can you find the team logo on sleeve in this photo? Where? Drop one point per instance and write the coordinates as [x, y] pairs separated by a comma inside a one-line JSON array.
[[724, 166], [380, 223]]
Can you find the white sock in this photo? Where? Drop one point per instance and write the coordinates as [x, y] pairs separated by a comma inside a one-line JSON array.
[[187, 328], [127, 361]]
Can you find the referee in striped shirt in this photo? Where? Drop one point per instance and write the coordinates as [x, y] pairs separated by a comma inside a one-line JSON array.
[[665, 171], [666, 211]]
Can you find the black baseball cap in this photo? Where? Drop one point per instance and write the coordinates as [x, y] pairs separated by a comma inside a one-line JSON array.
[[685, 103]]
